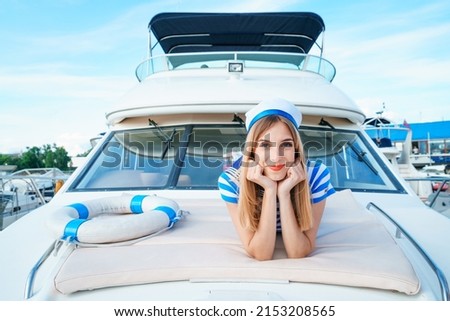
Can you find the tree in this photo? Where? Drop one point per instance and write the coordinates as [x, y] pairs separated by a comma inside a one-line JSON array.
[[60, 158], [32, 158], [9, 160], [38, 157]]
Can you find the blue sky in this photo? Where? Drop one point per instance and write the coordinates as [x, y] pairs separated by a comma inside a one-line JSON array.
[[63, 63]]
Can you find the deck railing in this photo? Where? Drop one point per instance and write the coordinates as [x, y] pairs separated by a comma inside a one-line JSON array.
[[269, 60], [441, 278]]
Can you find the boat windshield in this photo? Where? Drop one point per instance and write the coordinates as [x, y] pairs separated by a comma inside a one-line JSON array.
[[193, 157]]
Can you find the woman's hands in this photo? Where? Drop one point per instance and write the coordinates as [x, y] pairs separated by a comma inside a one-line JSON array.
[[255, 173], [295, 174]]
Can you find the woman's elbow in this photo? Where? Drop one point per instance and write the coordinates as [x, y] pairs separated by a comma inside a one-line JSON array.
[[260, 256], [301, 252], [298, 255]]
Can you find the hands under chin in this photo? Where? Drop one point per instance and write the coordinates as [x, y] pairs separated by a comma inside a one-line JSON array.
[[255, 174], [294, 175]]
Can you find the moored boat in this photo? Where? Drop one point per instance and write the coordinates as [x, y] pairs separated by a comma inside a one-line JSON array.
[[18, 196], [25, 190]]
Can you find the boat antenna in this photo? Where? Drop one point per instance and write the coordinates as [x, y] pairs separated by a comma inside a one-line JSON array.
[[378, 120], [380, 112]]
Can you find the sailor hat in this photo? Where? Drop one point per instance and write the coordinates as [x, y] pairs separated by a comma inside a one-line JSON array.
[[270, 107]]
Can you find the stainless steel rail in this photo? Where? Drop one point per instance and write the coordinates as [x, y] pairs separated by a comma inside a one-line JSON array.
[[310, 63], [445, 292], [32, 275]]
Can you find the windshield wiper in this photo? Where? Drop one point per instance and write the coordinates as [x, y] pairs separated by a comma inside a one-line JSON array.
[[167, 144], [361, 155], [237, 119], [167, 140]]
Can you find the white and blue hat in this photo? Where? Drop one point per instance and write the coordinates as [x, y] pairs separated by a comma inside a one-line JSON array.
[[276, 106]]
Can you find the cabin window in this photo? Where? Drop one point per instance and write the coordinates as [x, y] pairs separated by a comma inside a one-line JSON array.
[[353, 164], [133, 159], [210, 151], [193, 157]]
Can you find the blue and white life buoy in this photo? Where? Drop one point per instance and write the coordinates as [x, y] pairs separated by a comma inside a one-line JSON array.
[[102, 220]]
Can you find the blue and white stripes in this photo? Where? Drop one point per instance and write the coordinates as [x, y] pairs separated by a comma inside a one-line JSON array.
[[318, 178], [319, 181], [229, 185]]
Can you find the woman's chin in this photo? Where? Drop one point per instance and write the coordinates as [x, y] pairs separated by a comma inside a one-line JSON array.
[[276, 176]]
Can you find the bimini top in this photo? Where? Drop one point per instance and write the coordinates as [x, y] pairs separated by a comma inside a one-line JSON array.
[[292, 32]]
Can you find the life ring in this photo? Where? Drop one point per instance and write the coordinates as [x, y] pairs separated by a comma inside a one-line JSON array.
[[114, 219]]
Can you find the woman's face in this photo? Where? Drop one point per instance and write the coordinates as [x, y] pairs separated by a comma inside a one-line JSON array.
[[275, 151]]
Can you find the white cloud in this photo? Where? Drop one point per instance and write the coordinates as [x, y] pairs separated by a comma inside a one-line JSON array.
[[58, 108], [402, 59], [75, 142]]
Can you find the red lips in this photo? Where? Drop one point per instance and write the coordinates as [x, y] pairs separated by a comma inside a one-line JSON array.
[[277, 168]]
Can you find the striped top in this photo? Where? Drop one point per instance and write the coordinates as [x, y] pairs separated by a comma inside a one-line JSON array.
[[318, 176]]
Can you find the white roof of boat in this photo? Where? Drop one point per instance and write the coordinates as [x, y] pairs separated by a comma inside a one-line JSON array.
[[214, 91]]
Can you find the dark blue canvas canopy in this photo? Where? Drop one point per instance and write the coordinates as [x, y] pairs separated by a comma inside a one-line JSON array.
[[293, 32]]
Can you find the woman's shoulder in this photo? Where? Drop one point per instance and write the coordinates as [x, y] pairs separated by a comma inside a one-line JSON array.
[[319, 181], [317, 171], [316, 165], [231, 173], [228, 184]]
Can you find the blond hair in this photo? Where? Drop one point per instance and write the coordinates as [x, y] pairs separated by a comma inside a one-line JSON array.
[[249, 205]]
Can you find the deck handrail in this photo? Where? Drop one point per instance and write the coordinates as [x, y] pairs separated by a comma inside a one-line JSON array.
[[274, 60], [443, 284], [55, 246]]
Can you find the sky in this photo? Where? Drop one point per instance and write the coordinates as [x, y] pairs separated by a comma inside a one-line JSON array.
[[64, 63]]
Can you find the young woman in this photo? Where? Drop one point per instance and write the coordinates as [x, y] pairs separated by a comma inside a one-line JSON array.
[[274, 189]]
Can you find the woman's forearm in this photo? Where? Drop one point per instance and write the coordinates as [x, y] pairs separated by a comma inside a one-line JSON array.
[[296, 242], [262, 245]]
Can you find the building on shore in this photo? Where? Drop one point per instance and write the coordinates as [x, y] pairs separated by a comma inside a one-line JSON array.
[[432, 139]]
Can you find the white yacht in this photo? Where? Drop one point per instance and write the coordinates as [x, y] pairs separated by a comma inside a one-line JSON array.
[[169, 140], [25, 190], [18, 197], [395, 141]]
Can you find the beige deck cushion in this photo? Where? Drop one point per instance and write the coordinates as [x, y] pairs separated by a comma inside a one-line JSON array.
[[353, 249]]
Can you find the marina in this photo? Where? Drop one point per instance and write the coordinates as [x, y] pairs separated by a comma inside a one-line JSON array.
[[25, 190], [395, 141], [430, 143], [158, 166]]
